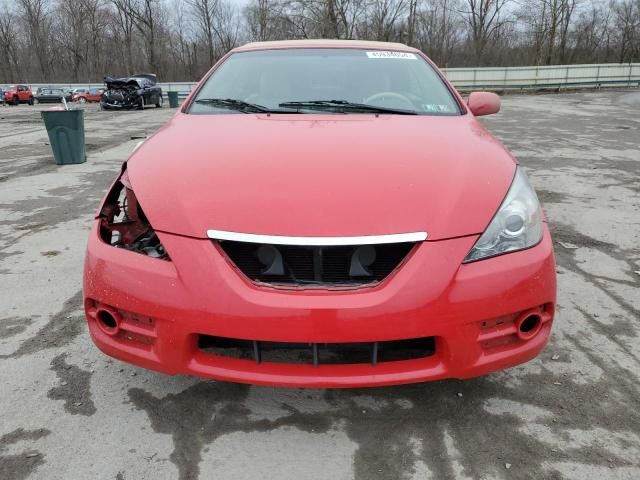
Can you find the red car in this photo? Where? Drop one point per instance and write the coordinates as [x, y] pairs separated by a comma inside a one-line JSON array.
[[16, 94], [87, 95], [322, 214]]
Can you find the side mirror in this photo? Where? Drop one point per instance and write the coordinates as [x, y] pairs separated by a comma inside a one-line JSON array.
[[483, 103]]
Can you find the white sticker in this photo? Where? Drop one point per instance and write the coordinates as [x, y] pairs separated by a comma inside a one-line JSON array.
[[389, 54], [429, 107]]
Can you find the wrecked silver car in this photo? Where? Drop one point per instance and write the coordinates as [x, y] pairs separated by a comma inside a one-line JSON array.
[[133, 92]]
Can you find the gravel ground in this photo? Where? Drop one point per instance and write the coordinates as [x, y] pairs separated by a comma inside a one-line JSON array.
[[69, 412]]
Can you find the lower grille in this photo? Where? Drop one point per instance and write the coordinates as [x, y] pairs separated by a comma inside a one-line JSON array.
[[316, 265], [319, 353]]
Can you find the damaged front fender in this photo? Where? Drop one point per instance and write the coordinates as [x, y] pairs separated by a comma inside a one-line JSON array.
[[123, 223]]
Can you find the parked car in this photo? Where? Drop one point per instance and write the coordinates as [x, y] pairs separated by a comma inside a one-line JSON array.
[[133, 92], [322, 214], [52, 95], [16, 94], [88, 95]]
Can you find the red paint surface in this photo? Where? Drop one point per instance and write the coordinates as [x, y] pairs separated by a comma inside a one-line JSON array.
[[199, 292], [483, 103], [89, 97], [13, 94], [321, 175]]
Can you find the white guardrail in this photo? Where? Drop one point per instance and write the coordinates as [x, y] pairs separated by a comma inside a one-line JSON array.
[[494, 78]]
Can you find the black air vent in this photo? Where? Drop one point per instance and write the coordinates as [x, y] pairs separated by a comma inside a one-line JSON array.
[[312, 265], [319, 353]]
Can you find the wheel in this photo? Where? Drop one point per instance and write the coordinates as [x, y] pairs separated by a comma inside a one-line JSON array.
[[160, 101], [16, 100], [141, 102], [30, 102], [82, 100]]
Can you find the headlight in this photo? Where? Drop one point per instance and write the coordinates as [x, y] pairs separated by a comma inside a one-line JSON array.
[[517, 224]]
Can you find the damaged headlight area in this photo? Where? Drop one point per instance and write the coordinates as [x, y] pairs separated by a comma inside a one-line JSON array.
[[123, 223], [125, 97], [516, 226]]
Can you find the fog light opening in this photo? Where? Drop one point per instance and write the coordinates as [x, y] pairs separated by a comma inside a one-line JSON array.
[[529, 325], [108, 320]]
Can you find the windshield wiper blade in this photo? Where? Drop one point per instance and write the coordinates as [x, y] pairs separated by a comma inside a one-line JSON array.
[[345, 105], [234, 104]]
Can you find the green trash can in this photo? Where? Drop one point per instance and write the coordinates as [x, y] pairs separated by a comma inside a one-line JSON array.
[[66, 135], [173, 99]]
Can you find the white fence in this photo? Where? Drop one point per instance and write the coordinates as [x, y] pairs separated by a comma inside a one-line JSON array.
[[499, 78], [551, 77]]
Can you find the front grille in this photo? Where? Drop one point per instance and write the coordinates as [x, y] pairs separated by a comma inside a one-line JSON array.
[[318, 353], [315, 265]]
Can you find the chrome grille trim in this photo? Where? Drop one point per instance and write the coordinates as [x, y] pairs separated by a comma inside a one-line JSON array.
[[317, 241]]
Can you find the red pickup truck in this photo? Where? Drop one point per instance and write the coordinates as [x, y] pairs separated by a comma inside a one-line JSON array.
[[15, 94]]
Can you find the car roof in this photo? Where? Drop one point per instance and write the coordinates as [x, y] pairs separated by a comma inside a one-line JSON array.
[[323, 43]]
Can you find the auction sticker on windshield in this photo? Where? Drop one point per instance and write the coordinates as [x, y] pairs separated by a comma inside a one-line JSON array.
[[389, 54]]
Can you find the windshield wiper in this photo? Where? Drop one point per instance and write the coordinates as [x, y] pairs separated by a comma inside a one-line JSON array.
[[343, 105], [239, 105]]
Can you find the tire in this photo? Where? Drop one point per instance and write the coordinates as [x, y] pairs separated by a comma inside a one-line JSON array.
[[141, 103], [16, 100], [82, 100], [160, 101], [30, 102]]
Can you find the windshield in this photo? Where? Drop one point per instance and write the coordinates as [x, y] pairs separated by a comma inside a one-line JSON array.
[[269, 78]]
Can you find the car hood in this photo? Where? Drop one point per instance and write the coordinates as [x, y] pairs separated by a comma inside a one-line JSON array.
[[321, 175]]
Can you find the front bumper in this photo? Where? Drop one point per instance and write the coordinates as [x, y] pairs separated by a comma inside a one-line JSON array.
[[469, 309], [105, 105]]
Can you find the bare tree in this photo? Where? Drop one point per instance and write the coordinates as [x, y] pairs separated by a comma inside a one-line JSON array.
[[592, 35], [204, 14], [485, 18], [352, 14], [37, 19], [266, 21], [124, 28], [146, 17], [627, 21], [439, 30], [96, 19], [385, 15], [9, 45], [73, 36], [226, 28], [566, 17], [80, 40]]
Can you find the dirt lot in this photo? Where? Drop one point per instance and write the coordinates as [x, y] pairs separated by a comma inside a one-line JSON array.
[[69, 412]]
